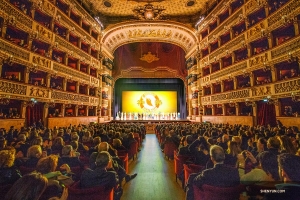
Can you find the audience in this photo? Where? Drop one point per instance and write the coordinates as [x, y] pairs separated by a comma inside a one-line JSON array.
[[29, 187], [9, 173]]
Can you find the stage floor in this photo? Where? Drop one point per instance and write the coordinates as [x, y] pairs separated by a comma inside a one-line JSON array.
[[150, 121]]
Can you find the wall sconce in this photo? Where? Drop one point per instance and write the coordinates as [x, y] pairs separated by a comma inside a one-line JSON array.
[[267, 67], [80, 106], [231, 104], [5, 100], [219, 105], [69, 105], [269, 100], [243, 43], [292, 58], [295, 98], [32, 102], [246, 74], [230, 78], [9, 60], [249, 103]]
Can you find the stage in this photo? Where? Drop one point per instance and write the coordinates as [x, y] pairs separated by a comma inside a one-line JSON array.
[[150, 121]]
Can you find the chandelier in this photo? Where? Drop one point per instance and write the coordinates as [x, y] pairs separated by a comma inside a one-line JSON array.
[[148, 12]]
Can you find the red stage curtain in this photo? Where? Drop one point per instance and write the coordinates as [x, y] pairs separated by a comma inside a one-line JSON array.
[[266, 114]]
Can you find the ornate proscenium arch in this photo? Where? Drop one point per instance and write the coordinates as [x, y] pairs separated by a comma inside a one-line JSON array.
[[158, 31]]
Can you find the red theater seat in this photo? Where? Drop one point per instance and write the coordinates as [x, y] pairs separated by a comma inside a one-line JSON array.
[[95, 193], [189, 169], [133, 150], [169, 148], [208, 192]]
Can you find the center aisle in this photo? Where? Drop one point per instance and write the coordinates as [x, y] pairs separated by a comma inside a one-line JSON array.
[[156, 177]]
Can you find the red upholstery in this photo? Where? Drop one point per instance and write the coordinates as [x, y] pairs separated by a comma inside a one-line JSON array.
[[25, 170], [209, 192], [133, 150], [4, 189], [124, 156], [95, 193], [178, 163], [169, 148], [137, 138], [191, 168]]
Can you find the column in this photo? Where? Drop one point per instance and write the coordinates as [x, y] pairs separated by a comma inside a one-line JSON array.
[[26, 75], [76, 110], [235, 85], [23, 109], [64, 84], [254, 109], [77, 87], [273, 74], [87, 111], [63, 110], [1, 66], [223, 109], [48, 80], [277, 109], [87, 90], [78, 65], [237, 109], [296, 26], [222, 86], [213, 110], [45, 114]]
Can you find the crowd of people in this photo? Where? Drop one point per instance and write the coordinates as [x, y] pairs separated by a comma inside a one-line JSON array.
[[234, 155], [41, 163]]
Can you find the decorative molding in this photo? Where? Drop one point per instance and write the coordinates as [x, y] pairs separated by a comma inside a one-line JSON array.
[[162, 31], [14, 50], [287, 86], [12, 88], [69, 97]]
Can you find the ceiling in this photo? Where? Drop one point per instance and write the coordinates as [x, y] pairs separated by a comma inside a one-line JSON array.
[[114, 11]]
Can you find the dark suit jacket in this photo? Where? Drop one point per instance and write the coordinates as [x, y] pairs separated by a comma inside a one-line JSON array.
[[184, 151], [220, 176], [98, 177], [71, 161]]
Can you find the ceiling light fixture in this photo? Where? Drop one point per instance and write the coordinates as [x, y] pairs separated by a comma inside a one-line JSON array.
[[148, 12]]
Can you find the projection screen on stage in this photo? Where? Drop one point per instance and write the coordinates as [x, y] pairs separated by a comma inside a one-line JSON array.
[[149, 101]]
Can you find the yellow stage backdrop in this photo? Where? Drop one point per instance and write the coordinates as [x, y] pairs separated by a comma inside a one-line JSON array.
[[149, 101]]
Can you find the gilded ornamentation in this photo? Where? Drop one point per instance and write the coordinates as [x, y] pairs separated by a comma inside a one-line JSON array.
[[38, 92], [39, 60], [258, 60], [12, 88], [229, 70], [255, 29], [149, 33], [286, 48], [13, 50], [70, 97], [288, 86], [261, 91], [149, 57], [66, 70], [6, 7], [44, 32]]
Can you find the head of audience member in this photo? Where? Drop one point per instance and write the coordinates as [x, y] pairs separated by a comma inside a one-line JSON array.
[[286, 145], [3, 142], [204, 144], [74, 145], [47, 164], [289, 166], [233, 148], [74, 137], [117, 143], [21, 138], [67, 151], [37, 141], [268, 163], [7, 158], [273, 143], [35, 151], [225, 138], [103, 146], [189, 139], [238, 140], [102, 160], [96, 140], [217, 154], [58, 141], [29, 187], [261, 144]]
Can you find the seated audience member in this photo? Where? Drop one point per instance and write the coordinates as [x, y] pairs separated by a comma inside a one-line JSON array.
[[184, 150], [289, 166], [22, 145], [96, 142], [29, 187], [87, 137], [74, 145], [117, 163], [47, 166], [200, 150], [117, 144], [127, 141], [273, 145], [220, 175], [3, 143], [81, 147], [286, 145], [34, 153], [9, 173], [102, 175], [57, 145], [68, 157], [266, 173], [231, 154], [224, 142]]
